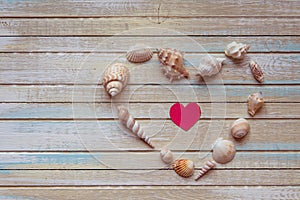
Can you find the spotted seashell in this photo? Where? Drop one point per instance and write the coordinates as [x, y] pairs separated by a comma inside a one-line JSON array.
[[240, 128], [208, 165], [184, 167], [210, 66], [236, 50], [139, 55], [127, 120], [166, 156], [115, 78], [255, 102], [256, 71], [223, 151]]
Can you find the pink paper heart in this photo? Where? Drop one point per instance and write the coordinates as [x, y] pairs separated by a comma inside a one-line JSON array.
[[185, 117]]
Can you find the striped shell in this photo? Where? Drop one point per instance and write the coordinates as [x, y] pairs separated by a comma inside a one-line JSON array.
[[166, 156], [223, 151], [256, 71], [236, 50], [127, 120], [210, 66], [139, 55], [115, 78], [207, 166], [255, 102], [184, 167], [240, 128]]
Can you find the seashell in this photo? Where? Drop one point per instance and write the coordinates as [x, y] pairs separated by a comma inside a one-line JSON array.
[[171, 73], [127, 120], [255, 102], [236, 50], [223, 151], [115, 78], [174, 59], [240, 128], [184, 167], [210, 66], [256, 71], [139, 55], [208, 165], [166, 155]]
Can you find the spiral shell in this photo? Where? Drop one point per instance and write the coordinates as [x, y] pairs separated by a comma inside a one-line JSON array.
[[115, 78], [207, 166], [236, 50], [210, 66], [184, 167], [127, 120], [240, 128], [174, 59], [256, 71], [139, 55], [223, 151], [166, 156], [255, 102]]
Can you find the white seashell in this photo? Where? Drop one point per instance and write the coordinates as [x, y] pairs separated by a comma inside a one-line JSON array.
[[207, 166], [115, 78], [184, 167], [210, 66], [236, 50], [255, 102], [127, 120], [256, 71], [171, 73], [223, 151], [166, 155], [240, 128], [139, 55]]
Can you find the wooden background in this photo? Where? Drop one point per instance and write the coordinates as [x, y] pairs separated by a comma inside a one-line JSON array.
[[59, 135]]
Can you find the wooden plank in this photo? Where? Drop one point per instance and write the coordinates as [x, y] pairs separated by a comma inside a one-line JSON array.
[[133, 26], [146, 177], [100, 111], [150, 160], [108, 135], [78, 68], [145, 93], [122, 44], [145, 8], [147, 193]]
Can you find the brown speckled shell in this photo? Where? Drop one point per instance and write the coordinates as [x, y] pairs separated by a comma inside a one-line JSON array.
[[223, 151], [184, 167], [139, 55], [256, 71]]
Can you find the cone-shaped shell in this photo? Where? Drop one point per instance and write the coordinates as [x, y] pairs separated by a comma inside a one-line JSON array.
[[236, 50], [115, 78], [256, 71], [223, 151], [240, 128], [255, 102], [184, 167], [166, 156], [208, 165], [210, 66], [139, 55]]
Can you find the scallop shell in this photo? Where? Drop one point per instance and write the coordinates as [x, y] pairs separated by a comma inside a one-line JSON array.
[[139, 55], [223, 151], [127, 120], [236, 50], [115, 78], [210, 66], [184, 167], [166, 155], [240, 128], [255, 102], [207, 166], [256, 71]]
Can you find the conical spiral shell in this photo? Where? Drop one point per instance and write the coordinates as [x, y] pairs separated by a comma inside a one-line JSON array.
[[210, 66], [127, 120], [166, 155], [223, 151], [236, 50], [115, 78], [240, 128], [207, 166], [184, 167], [255, 102], [139, 55], [256, 71]]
